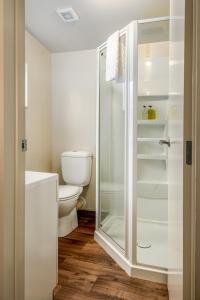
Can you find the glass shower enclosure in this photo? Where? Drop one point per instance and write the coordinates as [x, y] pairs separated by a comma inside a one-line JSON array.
[[132, 218], [112, 151]]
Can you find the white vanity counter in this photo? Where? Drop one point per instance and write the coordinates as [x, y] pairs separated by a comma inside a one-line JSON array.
[[32, 177], [41, 235]]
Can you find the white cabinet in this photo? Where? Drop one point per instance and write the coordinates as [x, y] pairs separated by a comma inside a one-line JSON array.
[[41, 235]]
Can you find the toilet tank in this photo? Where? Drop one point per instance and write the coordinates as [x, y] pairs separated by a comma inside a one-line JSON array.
[[76, 167]]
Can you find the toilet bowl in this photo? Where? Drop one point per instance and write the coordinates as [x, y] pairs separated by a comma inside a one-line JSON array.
[[68, 197], [76, 171]]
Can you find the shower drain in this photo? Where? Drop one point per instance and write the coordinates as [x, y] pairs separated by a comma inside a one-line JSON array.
[[144, 244]]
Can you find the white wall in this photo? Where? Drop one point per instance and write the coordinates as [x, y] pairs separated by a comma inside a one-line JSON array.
[[73, 108], [38, 113]]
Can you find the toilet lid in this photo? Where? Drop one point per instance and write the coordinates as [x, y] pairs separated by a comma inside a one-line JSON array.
[[69, 191]]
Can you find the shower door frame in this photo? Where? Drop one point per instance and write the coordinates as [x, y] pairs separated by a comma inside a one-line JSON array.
[[129, 252], [127, 258]]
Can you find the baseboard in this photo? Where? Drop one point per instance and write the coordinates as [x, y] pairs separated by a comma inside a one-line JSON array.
[[86, 213], [56, 290]]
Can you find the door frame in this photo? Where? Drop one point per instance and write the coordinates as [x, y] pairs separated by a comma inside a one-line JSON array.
[[188, 169], [195, 253], [12, 160]]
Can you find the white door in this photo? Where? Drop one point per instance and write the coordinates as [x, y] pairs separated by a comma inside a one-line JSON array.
[[175, 154], [12, 159]]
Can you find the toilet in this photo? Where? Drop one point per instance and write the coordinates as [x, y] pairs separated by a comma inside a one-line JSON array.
[[76, 171]]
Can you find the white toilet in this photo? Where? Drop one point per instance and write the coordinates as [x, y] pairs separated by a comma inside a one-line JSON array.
[[76, 172]]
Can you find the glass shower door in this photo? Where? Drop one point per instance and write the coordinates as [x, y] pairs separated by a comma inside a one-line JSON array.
[[152, 157], [112, 151]]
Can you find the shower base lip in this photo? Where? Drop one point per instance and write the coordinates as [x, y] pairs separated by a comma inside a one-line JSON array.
[[133, 270]]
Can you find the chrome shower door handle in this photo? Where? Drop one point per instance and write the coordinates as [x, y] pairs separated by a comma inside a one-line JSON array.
[[165, 142]]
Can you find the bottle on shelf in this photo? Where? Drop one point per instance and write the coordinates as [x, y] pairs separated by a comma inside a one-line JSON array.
[[151, 113], [145, 113]]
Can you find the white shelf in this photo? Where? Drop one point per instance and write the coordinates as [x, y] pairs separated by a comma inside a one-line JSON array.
[[152, 156], [150, 140], [153, 97], [152, 122], [150, 199], [156, 182]]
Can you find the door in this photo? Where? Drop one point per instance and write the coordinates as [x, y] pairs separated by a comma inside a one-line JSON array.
[[179, 172], [112, 134], [12, 158]]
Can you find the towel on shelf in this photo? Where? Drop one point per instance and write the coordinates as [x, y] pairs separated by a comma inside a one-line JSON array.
[[112, 57]]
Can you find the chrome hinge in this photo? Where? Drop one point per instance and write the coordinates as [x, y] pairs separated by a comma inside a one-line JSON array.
[[24, 145]]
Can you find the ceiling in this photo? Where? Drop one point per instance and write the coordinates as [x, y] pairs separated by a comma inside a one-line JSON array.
[[98, 19]]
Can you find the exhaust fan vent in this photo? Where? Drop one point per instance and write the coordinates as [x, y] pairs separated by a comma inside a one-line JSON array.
[[67, 14]]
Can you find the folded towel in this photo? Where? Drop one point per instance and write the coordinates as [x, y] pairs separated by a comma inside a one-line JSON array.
[[122, 61], [112, 57]]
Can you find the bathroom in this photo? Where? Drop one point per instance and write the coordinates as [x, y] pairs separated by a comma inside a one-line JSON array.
[[104, 141]]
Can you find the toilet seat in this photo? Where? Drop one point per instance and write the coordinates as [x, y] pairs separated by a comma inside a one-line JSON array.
[[69, 192]]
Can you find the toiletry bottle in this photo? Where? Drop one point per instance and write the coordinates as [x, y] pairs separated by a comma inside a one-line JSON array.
[[151, 113], [145, 113]]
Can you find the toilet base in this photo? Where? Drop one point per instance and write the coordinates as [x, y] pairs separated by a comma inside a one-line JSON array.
[[68, 223]]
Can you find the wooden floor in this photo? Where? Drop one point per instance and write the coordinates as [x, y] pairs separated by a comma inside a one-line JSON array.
[[87, 272]]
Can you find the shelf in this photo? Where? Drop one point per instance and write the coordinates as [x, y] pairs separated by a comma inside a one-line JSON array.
[[152, 122], [150, 140], [153, 97], [154, 190], [152, 156], [150, 199], [148, 182]]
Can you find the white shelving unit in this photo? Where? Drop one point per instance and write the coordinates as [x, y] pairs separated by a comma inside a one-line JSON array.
[[152, 184]]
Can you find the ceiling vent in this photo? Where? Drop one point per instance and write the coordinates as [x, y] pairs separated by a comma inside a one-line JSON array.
[[67, 14]]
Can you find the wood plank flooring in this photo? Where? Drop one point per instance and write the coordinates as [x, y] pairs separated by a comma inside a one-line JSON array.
[[87, 272]]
